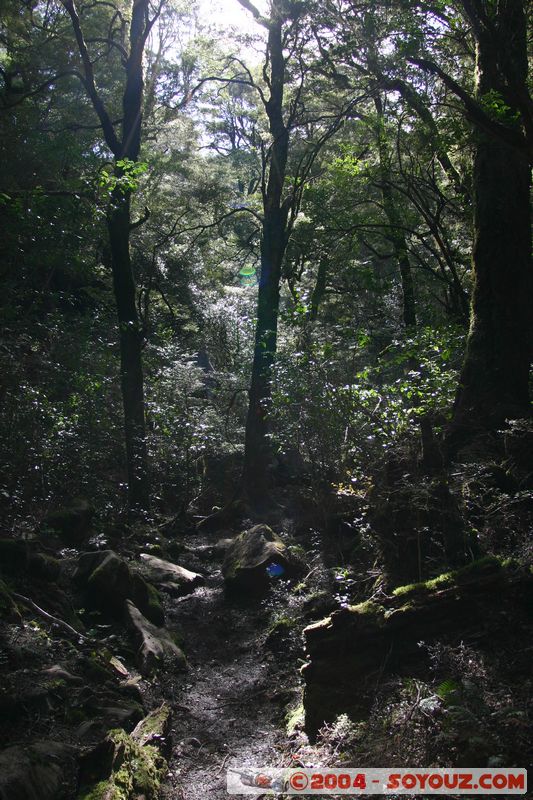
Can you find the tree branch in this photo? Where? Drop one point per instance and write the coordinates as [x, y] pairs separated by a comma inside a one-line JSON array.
[[44, 85], [54, 620], [474, 110], [105, 120], [145, 217], [256, 13]]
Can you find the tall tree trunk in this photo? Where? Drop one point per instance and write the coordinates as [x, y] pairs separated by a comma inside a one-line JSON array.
[[396, 234], [257, 449], [125, 151], [130, 338], [119, 226], [493, 384]]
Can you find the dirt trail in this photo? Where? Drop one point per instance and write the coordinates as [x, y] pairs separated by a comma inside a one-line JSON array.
[[229, 707]]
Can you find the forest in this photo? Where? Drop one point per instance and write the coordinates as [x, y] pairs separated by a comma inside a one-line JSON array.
[[266, 434]]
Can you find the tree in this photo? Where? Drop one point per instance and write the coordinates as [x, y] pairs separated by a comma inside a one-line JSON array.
[[494, 382], [273, 245], [125, 148], [421, 191]]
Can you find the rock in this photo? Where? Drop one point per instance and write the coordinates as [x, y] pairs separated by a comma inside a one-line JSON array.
[[88, 729], [128, 767], [34, 772], [170, 577], [156, 647], [108, 582], [25, 693], [220, 548], [254, 554], [72, 522], [15, 704], [57, 672]]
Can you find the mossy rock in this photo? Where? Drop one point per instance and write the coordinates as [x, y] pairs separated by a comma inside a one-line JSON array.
[[17, 557], [156, 647], [251, 555], [44, 567], [136, 771], [107, 582], [13, 556], [128, 766]]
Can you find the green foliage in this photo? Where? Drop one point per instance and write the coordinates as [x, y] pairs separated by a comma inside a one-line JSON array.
[[333, 406], [125, 178], [495, 106], [448, 689], [61, 425]]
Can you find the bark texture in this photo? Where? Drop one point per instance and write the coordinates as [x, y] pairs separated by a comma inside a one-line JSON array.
[[494, 379]]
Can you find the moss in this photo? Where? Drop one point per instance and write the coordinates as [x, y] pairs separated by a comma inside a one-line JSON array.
[[447, 579], [294, 718], [139, 772], [510, 563], [149, 768], [104, 790], [403, 609], [156, 721], [282, 625], [300, 588], [370, 608], [297, 551], [154, 608]]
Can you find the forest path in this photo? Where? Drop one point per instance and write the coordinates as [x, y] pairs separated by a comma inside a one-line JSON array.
[[229, 707]]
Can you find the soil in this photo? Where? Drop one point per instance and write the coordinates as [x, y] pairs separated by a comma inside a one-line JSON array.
[[230, 711]]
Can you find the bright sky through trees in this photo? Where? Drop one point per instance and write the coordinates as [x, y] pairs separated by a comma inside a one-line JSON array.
[[230, 17]]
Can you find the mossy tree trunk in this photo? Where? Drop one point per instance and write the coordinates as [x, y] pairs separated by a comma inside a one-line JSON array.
[[493, 384]]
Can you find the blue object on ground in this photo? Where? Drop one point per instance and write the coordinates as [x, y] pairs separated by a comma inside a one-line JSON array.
[[275, 570]]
